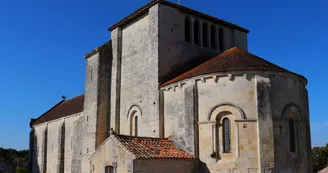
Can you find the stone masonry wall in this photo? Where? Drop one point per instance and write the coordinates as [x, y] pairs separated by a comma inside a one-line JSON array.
[[110, 153], [54, 144], [175, 54], [139, 74], [289, 92]]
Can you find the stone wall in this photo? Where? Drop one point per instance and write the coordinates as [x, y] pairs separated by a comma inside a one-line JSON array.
[[289, 97], [175, 54], [139, 75], [53, 144], [111, 154], [254, 102], [96, 102], [164, 166]]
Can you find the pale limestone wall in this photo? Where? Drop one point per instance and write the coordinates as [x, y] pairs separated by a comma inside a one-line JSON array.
[[38, 148], [254, 104], [175, 52], [164, 166], [69, 140], [90, 111], [225, 94], [213, 96], [111, 154], [53, 144], [289, 97], [139, 74], [96, 102]]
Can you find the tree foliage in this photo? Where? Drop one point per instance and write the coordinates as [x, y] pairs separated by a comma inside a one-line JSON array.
[[12, 160], [319, 158]]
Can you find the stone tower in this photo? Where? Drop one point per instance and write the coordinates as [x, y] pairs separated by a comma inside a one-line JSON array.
[[150, 47]]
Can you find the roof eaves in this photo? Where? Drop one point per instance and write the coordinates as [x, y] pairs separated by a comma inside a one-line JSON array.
[[36, 120], [185, 9]]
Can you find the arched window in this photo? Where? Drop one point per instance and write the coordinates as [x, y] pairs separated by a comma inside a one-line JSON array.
[[213, 37], [136, 126], [205, 35], [221, 39], [187, 30], [292, 142], [226, 135], [109, 169], [196, 32]]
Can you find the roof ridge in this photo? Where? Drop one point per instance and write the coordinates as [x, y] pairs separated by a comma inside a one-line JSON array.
[[43, 118], [49, 110], [144, 9], [233, 59]]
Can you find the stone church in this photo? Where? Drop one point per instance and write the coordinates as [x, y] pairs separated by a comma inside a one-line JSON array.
[[176, 91]]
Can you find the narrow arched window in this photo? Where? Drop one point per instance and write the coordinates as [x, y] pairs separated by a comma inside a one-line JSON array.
[[187, 30], [196, 32], [205, 35], [221, 39], [226, 135], [213, 37], [136, 126], [292, 143]]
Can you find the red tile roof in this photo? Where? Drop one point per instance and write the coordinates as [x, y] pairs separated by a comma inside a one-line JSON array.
[[233, 59], [324, 170], [62, 109], [145, 9], [152, 148]]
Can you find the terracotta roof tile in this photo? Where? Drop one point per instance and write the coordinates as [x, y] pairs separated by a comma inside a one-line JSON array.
[[233, 59], [146, 7], [324, 170], [152, 148], [62, 109]]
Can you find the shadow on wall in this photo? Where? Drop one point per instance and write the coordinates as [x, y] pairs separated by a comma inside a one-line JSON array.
[[202, 167], [33, 166]]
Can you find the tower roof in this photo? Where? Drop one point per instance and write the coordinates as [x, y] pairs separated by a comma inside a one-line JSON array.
[[62, 109], [234, 59], [184, 9]]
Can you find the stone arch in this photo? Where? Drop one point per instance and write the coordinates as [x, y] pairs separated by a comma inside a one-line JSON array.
[[292, 121], [187, 29], [293, 110], [196, 32], [226, 107], [133, 119], [205, 35], [133, 109]]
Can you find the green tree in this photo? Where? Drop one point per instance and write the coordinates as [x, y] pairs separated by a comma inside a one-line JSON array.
[[20, 170], [319, 158]]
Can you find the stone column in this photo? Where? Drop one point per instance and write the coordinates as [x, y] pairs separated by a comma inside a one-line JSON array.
[[116, 79], [265, 125]]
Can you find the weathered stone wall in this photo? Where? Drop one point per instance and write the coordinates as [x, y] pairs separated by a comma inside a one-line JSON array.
[[70, 134], [111, 154], [289, 98], [139, 74], [214, 95], [96, 102], [53, 147], [175, 54], [164, 166], [38, 148]]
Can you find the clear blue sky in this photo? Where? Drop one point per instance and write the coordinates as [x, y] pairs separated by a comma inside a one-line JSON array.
[[42, 43]]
